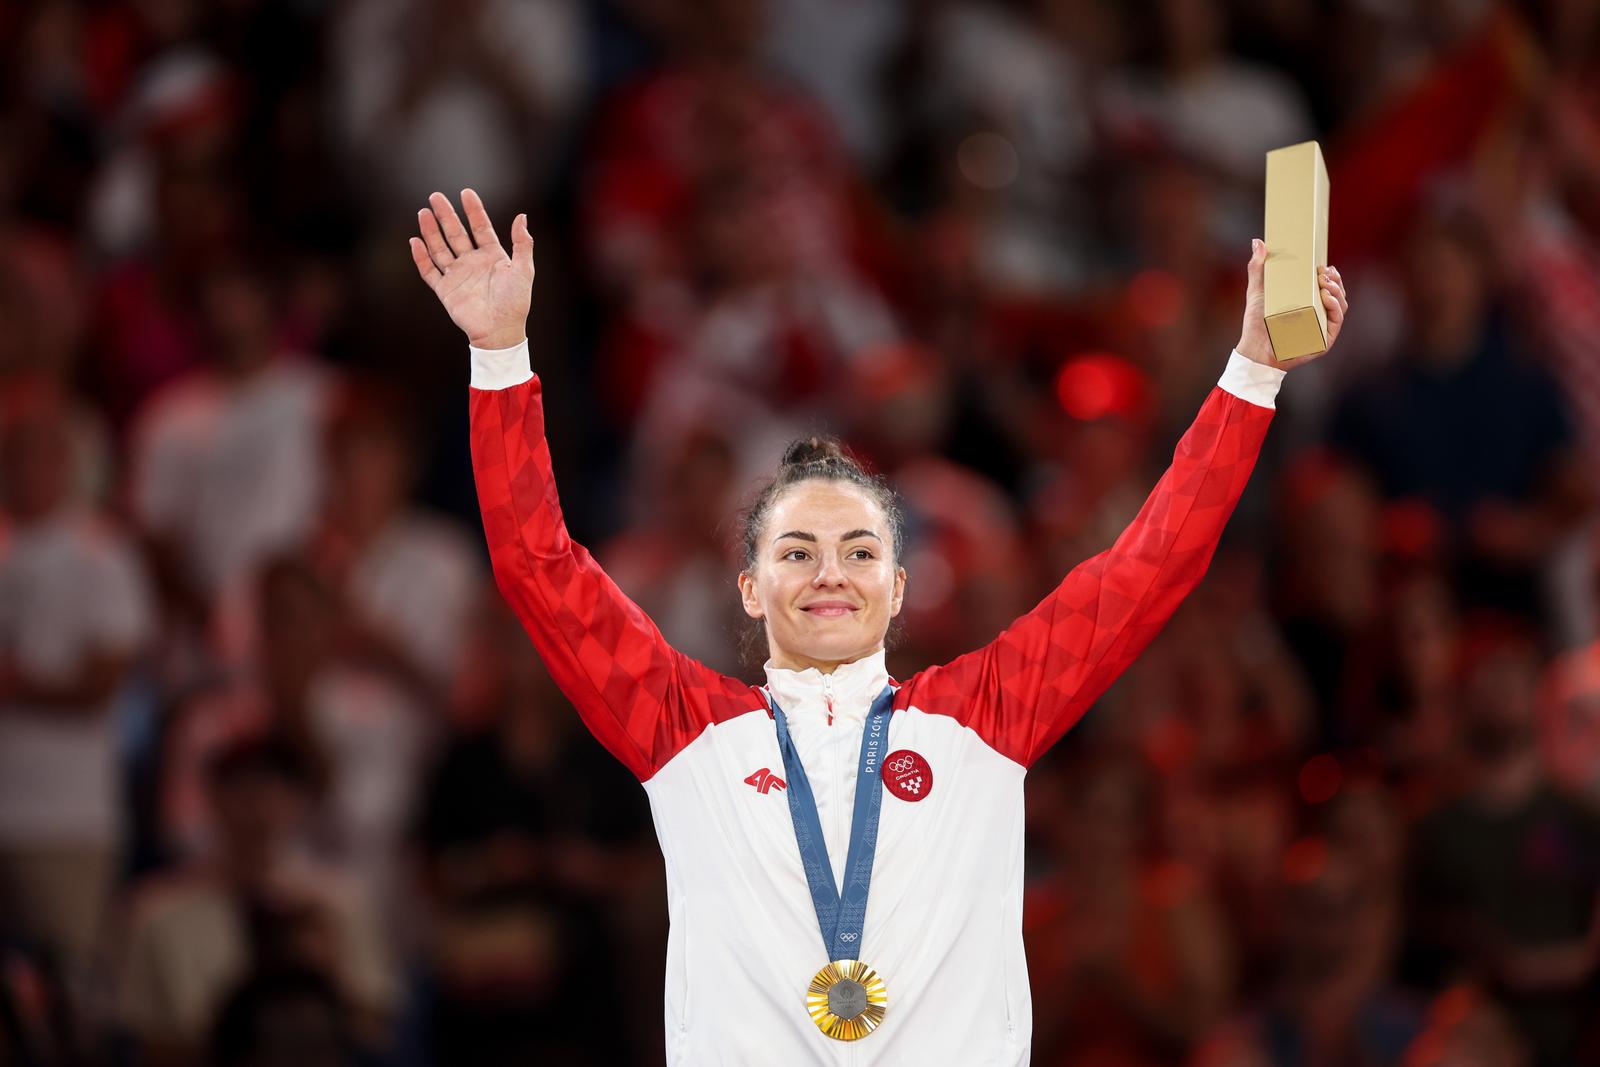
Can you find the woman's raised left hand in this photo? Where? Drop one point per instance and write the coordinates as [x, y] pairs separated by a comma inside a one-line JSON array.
[[1254, 343]]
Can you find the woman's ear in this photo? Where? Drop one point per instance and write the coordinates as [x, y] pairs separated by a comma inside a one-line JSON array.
[[747, 595], [899, 592]]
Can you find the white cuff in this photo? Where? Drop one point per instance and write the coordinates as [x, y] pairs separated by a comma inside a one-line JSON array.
[[1253, 382], [500, 368]]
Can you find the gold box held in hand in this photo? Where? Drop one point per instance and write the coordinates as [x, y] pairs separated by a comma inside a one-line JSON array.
[[1297, 244]]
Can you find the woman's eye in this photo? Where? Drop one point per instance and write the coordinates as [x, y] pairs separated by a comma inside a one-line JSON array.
[[861, 553], [796, 553]]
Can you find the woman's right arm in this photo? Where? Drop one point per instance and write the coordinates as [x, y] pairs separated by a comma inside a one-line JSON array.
[[642, 699]]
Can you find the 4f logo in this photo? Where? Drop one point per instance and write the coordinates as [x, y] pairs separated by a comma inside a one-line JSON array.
[[765, 781]]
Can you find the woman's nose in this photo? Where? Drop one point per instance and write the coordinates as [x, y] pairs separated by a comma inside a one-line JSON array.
[[829, 571]]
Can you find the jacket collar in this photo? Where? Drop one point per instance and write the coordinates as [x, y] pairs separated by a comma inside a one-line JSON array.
[[852, 687]]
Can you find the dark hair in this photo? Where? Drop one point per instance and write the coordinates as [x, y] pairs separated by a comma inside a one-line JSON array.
[[822, 459]]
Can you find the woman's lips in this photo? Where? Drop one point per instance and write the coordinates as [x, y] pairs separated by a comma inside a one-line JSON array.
[[829, 609]]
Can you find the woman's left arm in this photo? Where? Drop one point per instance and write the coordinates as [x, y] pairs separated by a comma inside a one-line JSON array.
[[1028, 686]]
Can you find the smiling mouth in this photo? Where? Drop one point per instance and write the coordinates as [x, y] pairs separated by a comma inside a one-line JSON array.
[[830, 610]]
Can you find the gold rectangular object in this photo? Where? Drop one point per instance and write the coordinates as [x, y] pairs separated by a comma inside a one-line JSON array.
[[1297, 244]]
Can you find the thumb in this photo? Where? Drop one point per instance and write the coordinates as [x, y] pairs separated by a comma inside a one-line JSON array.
[[1255, 289], [522, 244]]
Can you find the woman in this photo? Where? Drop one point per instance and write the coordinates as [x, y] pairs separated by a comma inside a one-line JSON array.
[[768, 799]]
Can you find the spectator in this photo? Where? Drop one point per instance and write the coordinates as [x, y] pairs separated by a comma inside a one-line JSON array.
[[839, 52], [363, 730], [1327, 581], [675, 563], [75, 614], [1507, 498], [408, 579], [1015, 95], [1332, 1002], [1215, 108], [1402, 689], [254, 903], [1129, 945], [436, 95], [1505, 885], [712, 131], [774, 313], [225, 468], [532, 850]]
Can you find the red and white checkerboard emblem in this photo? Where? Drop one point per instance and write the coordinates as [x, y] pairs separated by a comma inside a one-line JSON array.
[[907, 775]]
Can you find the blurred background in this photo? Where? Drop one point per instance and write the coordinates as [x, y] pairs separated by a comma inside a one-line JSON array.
[[282, 783]]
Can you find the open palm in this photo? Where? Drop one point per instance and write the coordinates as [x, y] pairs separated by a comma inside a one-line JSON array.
[[486, 292]]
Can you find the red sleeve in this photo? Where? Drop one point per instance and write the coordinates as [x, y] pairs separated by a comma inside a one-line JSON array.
[[1027, 687], [643, 700]]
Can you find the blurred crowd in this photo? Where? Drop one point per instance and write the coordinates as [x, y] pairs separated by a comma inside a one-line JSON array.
[[282, 783]]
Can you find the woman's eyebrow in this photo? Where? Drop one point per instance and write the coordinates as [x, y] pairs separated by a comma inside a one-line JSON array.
[[802, 535]]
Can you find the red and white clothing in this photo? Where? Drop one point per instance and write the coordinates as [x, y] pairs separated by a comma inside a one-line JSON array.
[[944, 923]]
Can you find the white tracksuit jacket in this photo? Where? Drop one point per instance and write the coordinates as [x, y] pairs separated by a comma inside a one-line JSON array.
[[944, 916]]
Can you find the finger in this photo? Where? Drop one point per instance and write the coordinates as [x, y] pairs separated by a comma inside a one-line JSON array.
[[1337, 285], [426, 267], [450, 223], [1334, 305], [1330, 279], [478, 219], [1258, 265], [434, 239], [521, 244]]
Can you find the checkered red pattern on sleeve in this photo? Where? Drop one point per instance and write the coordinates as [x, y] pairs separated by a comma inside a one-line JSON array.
[[642, 700], [1028, 686]]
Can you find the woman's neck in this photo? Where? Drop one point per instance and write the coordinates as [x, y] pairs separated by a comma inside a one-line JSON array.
[[791, 661]]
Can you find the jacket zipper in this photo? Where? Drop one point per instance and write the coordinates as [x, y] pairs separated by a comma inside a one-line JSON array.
[[827, 696]]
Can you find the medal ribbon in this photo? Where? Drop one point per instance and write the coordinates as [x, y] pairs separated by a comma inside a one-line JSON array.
[[840, 915]]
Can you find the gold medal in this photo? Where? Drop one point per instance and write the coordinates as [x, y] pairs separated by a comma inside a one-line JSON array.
[[847, 1000]]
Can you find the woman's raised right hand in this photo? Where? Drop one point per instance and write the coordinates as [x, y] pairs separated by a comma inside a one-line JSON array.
[[486, 292]]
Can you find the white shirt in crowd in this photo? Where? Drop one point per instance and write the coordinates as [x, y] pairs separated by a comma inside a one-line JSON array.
[[230, 470], [188, 944], [375, 735], [420, 580], [71, 587], [458, 128]]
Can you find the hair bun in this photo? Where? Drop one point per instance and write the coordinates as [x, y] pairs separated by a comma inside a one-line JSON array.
[[819, 450]]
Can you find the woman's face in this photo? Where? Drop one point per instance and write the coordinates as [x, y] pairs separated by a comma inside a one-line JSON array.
[[825, 581]]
